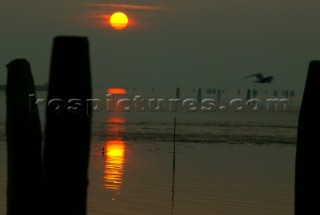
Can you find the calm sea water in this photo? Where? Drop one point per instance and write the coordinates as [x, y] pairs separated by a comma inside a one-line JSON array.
[[226, 163]]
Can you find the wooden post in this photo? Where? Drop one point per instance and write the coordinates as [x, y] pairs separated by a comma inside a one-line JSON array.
[[307, 180], [248, 95], [219, 96], [173, 164], [174, 147], [178, 93], [68, 128], [23, 142]]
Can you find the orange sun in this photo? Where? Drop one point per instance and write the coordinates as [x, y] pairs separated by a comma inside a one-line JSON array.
[[119, 20]]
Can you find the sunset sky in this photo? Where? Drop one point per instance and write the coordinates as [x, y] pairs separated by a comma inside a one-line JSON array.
[[172, 43]]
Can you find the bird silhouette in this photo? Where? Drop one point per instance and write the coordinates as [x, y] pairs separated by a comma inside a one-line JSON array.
[[260, 78]]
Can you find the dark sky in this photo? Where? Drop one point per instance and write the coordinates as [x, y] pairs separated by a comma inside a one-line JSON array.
[[170, 43]]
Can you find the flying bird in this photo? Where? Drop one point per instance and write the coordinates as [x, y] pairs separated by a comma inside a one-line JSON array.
[[260, 78]]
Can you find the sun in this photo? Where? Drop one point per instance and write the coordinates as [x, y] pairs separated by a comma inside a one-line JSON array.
[[119, 20]]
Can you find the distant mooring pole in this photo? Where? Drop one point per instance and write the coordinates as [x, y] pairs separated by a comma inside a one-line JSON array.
[[24, 139], [307, 178], [199, 98], [174, 134], [173, 163], [68, 128]]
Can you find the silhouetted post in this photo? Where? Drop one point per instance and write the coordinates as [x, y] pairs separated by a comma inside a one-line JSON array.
[[307, 180], [178, 96], [199, 97], [254, 93], [292, 95], [68, 125], [219, 96], [23, 142], [174, 143], [173, 163], [178, 93], [248, 95], [275, 93]]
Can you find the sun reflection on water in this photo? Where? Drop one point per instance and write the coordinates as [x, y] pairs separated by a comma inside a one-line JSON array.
[[114, 167], [115, 154]]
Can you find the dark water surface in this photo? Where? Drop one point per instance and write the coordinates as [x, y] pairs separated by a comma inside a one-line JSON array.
[[226, 163]]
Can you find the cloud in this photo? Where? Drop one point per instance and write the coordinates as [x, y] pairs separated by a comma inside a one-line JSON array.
[[127, 6]]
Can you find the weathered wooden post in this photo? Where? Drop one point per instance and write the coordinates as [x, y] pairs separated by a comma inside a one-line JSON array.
[[23, 142], [307, 180], [68, 127]]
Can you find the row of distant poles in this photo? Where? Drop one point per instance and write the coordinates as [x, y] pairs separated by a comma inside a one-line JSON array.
[[221, 94], [250, 93]]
